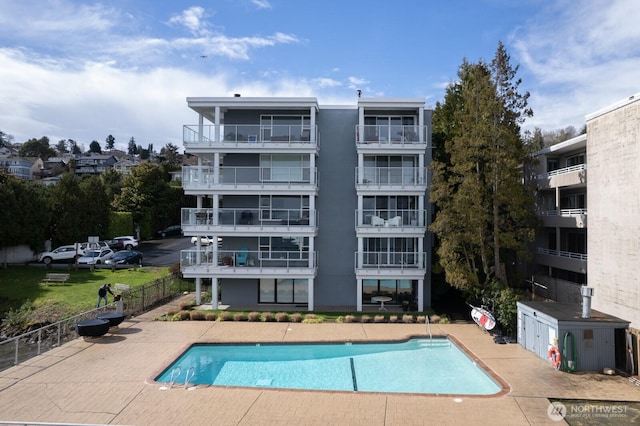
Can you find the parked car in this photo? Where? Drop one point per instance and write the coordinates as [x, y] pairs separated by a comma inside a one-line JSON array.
[[170, 230], [205, 241], [114, 245], [128, 241], [66, 253], [95, 257], [125, 257]]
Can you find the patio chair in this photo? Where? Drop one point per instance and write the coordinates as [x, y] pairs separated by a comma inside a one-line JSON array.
[[377, 221], [395, 221], [241, 257]]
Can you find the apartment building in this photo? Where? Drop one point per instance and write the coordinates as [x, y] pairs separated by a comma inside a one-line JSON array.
[[317, 207], [611, 201], [560, 252]]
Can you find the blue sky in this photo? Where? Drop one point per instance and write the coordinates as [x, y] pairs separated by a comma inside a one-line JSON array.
[[83, 70]]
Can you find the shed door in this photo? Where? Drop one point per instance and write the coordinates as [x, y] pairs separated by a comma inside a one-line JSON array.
[[536, 336]]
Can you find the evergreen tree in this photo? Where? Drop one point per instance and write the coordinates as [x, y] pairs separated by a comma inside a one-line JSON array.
[[109, 143], [485, 214]]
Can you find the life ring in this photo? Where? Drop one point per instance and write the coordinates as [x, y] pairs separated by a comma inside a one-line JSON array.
[[554, 357]]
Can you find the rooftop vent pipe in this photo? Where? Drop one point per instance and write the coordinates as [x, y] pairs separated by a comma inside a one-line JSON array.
[[587, 293], [236, 95]]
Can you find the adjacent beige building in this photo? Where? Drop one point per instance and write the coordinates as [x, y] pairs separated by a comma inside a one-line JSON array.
[[613, 155]]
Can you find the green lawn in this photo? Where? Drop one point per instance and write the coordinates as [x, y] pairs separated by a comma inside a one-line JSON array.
[[19, 284]]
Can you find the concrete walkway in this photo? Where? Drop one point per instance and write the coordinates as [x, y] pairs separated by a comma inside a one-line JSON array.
[[110, 381]]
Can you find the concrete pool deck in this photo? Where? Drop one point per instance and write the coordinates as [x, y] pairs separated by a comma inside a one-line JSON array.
[[109, 380]]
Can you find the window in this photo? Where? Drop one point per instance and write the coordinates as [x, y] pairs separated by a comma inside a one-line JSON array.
[[284, 168], [284, 127], [552, 164], [273, 207], [399, 290], [283, 290], [575, 160]]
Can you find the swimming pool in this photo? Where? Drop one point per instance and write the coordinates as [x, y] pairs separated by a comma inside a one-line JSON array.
[[419, 365]]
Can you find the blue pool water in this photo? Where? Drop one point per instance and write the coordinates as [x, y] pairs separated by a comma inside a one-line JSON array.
[[435, 366]]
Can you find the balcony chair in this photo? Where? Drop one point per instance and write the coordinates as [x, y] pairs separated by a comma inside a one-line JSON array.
[[246, 218], [377, 221], [395, 221], [241, 257]]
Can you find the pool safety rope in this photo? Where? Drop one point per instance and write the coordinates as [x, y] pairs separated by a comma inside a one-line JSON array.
[[353, 375], [569, 361]]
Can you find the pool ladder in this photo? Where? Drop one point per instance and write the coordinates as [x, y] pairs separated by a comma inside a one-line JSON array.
[[175, 373], [428, 330], [188, 376]]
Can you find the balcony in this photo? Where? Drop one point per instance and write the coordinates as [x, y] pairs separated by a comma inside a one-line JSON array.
[[196, 178], [568, 176], [249, 136], [197, 221], [390, 264], [396, 136], [564, 218], [571, 261], [246, 264], [396, 178], [380, 222]]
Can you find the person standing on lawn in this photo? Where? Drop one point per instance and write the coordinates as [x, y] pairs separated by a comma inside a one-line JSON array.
[[102, 294]]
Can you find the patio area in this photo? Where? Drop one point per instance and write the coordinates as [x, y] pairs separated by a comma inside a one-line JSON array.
[[109, 380]]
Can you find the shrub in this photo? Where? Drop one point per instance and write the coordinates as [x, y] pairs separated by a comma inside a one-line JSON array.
[[210, 316], [349, 318], [196, 315], [254, 316], [268, 317], [312, 319], [296, 317], [225, 316], [184, 315], [239, 316], [421, 319], [393, 318], [186, 305], [445, 320], [435, 319], [407, 319], [340, 319], [282, 317], [171, 313], [174, 269], [365, 318], [379, 318]]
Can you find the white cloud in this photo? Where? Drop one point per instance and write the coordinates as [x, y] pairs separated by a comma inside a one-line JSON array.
[[356, 82], [582, 57], [325, 82], [192, 19], [261, 4]]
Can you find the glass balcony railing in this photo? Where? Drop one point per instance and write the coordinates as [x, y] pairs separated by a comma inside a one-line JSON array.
[[248, 217], [576, 168], [245, 134], [391, 134], [390, 260], [247, 258], [390, 218], [391, 176], [204, 177]]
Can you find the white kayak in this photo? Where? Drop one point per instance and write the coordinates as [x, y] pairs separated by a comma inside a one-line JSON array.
[[483, 318]]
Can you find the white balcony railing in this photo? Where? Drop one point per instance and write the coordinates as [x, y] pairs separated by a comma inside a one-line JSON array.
[[247, 134], [391, 134], [390, 218], [391, 176], [199, 177], [247, 258], [390, 260], [193, 217], [560, 253], [564, 212], [562, 171]]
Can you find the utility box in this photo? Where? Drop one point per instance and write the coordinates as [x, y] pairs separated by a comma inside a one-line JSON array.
[[591, 344]]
